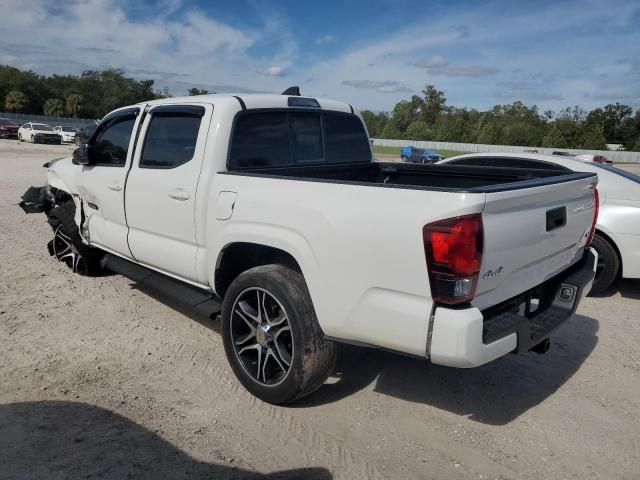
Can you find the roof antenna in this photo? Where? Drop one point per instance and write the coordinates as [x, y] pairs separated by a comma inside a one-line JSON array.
[[292, 91]]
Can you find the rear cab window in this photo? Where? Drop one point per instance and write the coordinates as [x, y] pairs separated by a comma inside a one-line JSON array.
[[170, 140], [288, 138]]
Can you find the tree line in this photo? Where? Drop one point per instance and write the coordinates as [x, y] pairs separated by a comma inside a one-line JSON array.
[[428, 117], [92, 94]]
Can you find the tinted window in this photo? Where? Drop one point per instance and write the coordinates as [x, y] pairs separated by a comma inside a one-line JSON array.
[[281, 139], [260, 140], [306, 138], [111, 145], [345, 139], [170, 141]]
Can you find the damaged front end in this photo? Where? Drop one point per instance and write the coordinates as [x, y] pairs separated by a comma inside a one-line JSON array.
[[68, 245], [37, 200]]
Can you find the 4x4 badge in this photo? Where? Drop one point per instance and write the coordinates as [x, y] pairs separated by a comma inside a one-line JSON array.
[[492, 273]]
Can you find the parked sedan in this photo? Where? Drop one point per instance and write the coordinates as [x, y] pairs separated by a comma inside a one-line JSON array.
[[38, 133], [8, 129], [420, 155], [617, 238], [67, 132]]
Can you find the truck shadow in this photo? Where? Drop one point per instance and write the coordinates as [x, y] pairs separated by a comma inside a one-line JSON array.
[[627, 288], [53, 439], [495, 394]]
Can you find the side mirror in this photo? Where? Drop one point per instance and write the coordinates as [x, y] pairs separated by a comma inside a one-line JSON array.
[[81, 155]]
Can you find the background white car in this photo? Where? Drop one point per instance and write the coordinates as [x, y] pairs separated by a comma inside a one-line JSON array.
[[617, 238], [38, 133], [67, 132]]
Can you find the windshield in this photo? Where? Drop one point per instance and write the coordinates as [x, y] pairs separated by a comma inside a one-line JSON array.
[[618, 171], [68, 128], [41, 126]]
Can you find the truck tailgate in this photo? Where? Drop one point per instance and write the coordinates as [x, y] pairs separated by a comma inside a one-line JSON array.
[[530, 235]]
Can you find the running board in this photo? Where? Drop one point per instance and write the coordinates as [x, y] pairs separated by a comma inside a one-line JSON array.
[[187, 299]]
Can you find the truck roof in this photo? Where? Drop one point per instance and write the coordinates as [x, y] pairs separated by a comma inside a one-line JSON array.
[[254, 100]]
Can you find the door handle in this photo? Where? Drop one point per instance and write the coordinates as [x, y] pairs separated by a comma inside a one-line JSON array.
[[179, 194], [115, 187]]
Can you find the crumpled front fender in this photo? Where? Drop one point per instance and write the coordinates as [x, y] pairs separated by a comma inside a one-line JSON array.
[[37, 200]]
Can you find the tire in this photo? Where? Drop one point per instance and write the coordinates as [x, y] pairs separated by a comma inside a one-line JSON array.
[[608, 264], [20, 139], [403, 158], [284, 295], [67, 245]]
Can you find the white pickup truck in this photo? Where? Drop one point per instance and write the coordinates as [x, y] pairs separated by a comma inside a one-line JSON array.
[[275, 204]]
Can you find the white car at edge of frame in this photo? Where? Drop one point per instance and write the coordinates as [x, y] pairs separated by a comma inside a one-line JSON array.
[[617, 238]]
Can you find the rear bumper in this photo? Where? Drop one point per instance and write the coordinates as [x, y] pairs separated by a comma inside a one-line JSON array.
[[469, 337]]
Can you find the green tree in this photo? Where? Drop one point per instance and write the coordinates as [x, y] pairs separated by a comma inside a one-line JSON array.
[[54, 107], [375, 122], [554, 138], [418, 130], [593, 138], [196, 91], [73, 104], [636, 147], [15, 101], [434, 104]]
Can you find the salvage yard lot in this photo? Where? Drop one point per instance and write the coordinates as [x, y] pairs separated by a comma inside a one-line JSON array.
[[114, 377]]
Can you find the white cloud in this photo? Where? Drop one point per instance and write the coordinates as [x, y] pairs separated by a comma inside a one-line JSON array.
[[466, 52], [382, 86], [432, 62], [324, 40], [274, 71], [189, 44]]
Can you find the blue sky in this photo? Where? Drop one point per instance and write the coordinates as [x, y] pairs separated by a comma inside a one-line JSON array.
[[371, 54]]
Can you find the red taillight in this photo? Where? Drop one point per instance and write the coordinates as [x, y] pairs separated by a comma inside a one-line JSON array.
[[596, 209], [453, 248]]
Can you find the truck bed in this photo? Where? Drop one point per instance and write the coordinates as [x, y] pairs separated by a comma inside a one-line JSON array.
[[449, 178]]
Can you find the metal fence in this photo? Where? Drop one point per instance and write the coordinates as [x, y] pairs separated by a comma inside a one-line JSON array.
[[616, 156], [20, 118]]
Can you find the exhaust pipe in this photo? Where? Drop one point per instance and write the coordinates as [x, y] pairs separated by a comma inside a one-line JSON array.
[[542, 347]]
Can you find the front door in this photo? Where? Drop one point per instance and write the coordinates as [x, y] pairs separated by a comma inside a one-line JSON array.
[[160, 193], [101, 184]]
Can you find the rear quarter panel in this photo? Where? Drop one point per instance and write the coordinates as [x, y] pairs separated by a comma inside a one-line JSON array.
[[360, 249]]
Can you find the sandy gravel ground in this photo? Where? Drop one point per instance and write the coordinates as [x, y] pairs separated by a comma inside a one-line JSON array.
[[113, 377]]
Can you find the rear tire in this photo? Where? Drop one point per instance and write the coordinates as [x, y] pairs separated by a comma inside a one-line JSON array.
[[20, 138], [271, 335], [608, 264]]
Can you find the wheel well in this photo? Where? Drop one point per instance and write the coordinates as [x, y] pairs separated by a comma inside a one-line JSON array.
[[613, 244], [240, 257]]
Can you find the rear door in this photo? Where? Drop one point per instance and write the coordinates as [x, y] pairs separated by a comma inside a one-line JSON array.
[[532, 234], [161, 188]]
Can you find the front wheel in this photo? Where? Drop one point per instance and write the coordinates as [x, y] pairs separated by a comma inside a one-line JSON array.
[[608, 264], [271, 335], [20, 138]]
